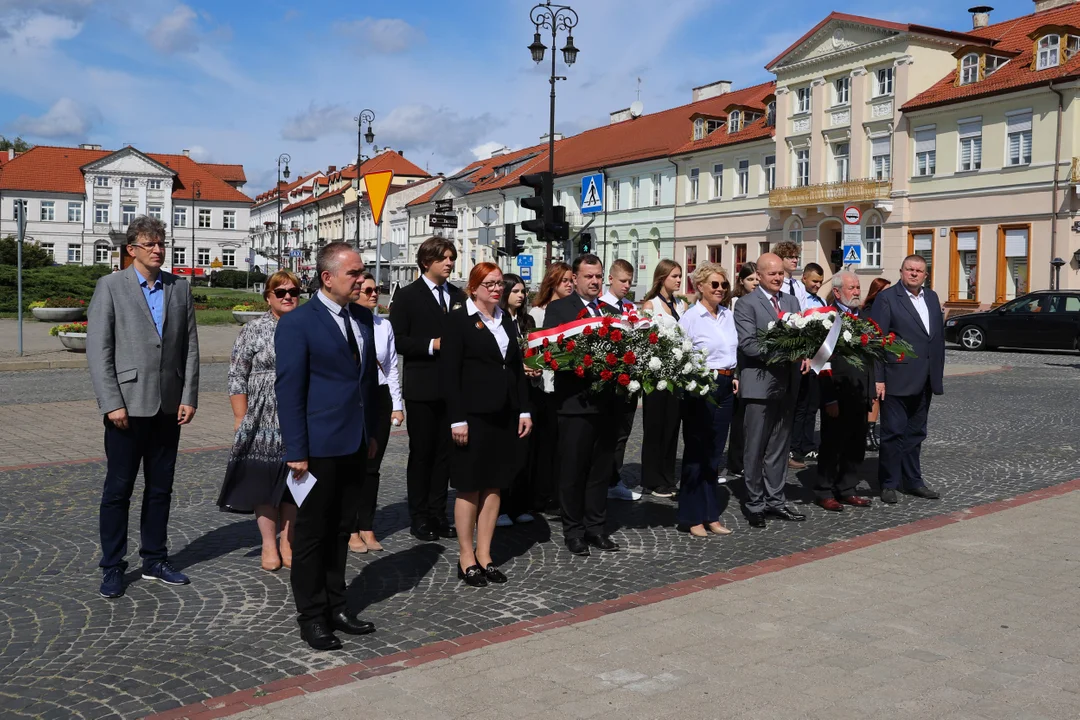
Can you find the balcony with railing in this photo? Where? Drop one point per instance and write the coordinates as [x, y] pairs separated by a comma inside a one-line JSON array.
[[834, 193]]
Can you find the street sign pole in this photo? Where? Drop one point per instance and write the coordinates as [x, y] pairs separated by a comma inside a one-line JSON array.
[[378, 258], [20, 231]]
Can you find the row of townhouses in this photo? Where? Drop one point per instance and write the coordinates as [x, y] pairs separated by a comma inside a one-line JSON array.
[[960, 146]]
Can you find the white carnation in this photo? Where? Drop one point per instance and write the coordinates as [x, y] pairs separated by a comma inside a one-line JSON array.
[[662, 385], [655, 363], [677, 353], [688, 368], [827, 323], [687, 345], [704, 389], [771, 325], [634, 386], [847, 336], [691, 385]]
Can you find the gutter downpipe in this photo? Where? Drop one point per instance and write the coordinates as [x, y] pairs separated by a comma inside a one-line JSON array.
[[1054, 208], [603, 174], [495, 250]]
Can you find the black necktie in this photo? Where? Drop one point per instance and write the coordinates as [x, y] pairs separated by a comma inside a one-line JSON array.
[[791, 288], [594, 308], [442, 297], [671, 307], [350, 336]]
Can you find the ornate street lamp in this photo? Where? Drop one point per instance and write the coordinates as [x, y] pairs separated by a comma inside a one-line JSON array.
[[196, 193], [365, 116]]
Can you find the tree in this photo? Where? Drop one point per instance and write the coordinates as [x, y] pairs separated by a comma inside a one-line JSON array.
[[18, 144], [33, 255]]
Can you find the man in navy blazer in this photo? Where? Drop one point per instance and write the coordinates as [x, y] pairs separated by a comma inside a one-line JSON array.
[[906, 386], [326, 384]]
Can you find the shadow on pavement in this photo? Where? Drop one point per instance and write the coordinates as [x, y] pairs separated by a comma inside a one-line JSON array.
[[384, 578], [218, 542]]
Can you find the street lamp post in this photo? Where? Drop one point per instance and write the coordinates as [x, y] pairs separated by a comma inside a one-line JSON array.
[[282, 158], [555, 18], [196, 193], [365, 116]]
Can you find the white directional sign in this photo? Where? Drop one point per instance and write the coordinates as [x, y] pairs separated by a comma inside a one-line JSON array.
[[592, 193]]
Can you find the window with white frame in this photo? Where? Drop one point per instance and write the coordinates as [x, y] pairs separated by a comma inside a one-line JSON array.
[[970, 133], [925, 151], [992, 63], [769, 168], [1049, 52], [743, 175], [713, 125], [48, 210], [203, 257], [841, 162], [1018, 139], [48, 248], [75, 212], [635, 187], [228, 257], [153, 184], [695, 184], [101, 213], [969, 69], [1072, 46], [872, 242], [884, 84], [101, 181], [802, 167], [128, 214], [74, 253], [204, 218], [1016, 262], [179, 217], [127, 182], [179, 257], [881, 157], [770, 113], [734, 121], [656, 178], [101, 254], [154, 211], [717, 181], [228, 219], [699, 128], [803, 101], [842, 91], [794, 235]]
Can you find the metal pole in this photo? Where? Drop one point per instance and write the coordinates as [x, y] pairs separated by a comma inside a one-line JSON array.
[[20, 213], [279, 221], [551, 147], [359, 146], [378, 257]]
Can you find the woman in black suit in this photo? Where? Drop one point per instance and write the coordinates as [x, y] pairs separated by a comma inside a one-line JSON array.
[[483, 381]]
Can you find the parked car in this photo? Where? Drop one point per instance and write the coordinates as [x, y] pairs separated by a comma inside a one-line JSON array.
[[1042, 319]]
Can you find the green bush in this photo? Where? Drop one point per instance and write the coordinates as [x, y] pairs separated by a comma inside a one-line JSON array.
[[222, 302], [251, 306], [58, 281], [33, 255], [64, 302], [237, 279]]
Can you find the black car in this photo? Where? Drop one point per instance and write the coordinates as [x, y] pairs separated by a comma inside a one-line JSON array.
[[1042, 319]]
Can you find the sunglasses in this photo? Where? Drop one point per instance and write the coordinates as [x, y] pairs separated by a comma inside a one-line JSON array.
[[369, 291], [716, 285], [280, 293]]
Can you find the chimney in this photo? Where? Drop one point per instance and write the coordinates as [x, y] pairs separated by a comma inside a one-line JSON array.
[[332, 168], [711, 90], [187, 153], [1041, 5], [11, 153], [88, 146], [620, 116], [980, 16], [504, 150], [558, 137]]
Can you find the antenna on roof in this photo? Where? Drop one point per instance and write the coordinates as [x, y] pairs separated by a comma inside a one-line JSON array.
[[639, 88]]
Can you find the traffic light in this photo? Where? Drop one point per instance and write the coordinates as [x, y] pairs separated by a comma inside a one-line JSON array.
[[540, 203], [512, 246], [560, 229], [584, 243]]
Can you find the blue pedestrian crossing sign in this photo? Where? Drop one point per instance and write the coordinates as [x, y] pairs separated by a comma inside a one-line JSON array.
[[592, 193], [852, 254]]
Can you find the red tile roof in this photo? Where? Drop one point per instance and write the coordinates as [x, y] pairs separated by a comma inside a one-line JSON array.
[[228, 173], [1011, 36], [392, 160], [426, 197], [284, 187], [59, 169], [755, 98]]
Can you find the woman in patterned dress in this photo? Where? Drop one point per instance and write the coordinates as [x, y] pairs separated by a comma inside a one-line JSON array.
[[255, 478]]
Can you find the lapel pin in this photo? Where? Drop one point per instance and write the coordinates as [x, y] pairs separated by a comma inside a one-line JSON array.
[[479, 324]]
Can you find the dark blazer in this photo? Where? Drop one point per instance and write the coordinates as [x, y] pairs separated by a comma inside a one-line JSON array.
[[417, 319], [571, 392], [323, 398], [758, 380], [476, 377], [894, 312], [847, 382]]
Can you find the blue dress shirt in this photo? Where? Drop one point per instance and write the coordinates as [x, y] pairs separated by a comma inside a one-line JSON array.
[[154, 299]]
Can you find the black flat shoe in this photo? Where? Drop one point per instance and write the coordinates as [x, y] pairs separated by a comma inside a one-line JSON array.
[[446, 530], [756, 519], [319, 637], [424, 531], [601, 542], [785, 513], [494, 574], [474, 576], [351, 624], [577, 546], [925, 491]]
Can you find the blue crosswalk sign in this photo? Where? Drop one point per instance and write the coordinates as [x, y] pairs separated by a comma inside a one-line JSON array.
[[592, 193], [852, 254]]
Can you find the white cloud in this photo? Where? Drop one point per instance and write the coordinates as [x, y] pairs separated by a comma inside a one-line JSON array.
[[176, 32], [483, 151], [200, 154], [316, 122], [65, 119], [379, 36]]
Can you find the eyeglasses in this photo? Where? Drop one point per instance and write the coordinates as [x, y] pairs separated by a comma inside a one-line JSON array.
[[150, 246], [716, 285], [280, 293], [369, 291], [490, 286]]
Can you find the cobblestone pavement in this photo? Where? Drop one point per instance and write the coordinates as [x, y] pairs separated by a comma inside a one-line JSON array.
[[66, 652]]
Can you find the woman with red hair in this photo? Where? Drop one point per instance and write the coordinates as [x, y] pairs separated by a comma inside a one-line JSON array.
[[483, 381]]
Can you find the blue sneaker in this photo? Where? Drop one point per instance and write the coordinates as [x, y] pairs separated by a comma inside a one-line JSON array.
[[112, 582], [164, 572]]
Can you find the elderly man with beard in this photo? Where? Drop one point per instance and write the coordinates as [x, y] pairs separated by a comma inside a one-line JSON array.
[[846, 396]]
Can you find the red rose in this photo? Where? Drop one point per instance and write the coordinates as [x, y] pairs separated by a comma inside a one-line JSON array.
[[587, 330], [554, 365], [602, 332], [587, 361], [584, 313], [560, 339], [901, 358], [530, 352], [607, 320], [545, 343], [606, 375], [634, 318], [611, 359], [616, 336], [653, 338], [892, 337], [624, 379], [570, 345], [579, 371], [629, 358], [547, 356], [864, 339]]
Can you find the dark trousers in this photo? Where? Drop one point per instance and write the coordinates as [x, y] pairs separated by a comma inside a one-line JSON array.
[[586, 449], [321, 538], [369, 493], [843, 447], [806, 409], [765, 458], [705, 429], [903, 429], [543, 450], [660, 413], [150, 442], [737, 437], [428, 472], [624, 425]]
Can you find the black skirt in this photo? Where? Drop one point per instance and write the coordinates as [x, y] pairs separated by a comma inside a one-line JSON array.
[[250, 482], [492, 457]]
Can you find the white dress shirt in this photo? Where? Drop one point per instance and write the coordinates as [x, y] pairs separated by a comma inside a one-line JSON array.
[[624, 306], [792, 285], [715, 335], [586, 303], [435, 294], [919, 301], [495, 325], [335, 311], [386, 355], [769, 296], [537, 314]]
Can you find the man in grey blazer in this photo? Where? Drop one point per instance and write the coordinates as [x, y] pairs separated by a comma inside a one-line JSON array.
[[143, 350], [769, 392]]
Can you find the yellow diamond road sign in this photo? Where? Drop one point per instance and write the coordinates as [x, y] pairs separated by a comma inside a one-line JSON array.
[[377, 186]]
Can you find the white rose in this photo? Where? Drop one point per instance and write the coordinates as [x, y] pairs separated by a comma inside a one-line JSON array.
[[847, 336], [677, 353], [691, 385], [655, 363], [687, 345], [662, 385], [827, 323], [634, 386], [704, 389], [688, 368], [771, 325]]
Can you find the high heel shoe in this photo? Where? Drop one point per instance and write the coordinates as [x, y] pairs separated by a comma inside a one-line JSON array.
[[698, 531], [473, 577], [718, 529], [356, 544], [373, 545], [271, 563], [286, 555]]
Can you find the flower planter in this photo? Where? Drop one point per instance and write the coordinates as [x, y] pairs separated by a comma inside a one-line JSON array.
[[59, 314], [246, 316], [76, 342]]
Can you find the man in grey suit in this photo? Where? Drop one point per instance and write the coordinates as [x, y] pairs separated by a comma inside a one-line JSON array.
[[769, 392], [143, 351]]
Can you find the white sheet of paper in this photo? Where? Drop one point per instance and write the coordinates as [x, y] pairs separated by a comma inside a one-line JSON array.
[[300, 488]]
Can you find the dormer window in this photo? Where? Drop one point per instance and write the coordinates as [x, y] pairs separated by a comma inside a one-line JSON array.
[[711, 125], [1072, 46], [993, 64], [771, 114], [699, 129], [969, 69], [734, 121], [1049, 52]]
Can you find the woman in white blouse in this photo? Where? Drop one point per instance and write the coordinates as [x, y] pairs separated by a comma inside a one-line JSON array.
[[389, 407]]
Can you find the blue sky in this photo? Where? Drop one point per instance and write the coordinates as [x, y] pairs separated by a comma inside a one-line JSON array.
[[241, 81]]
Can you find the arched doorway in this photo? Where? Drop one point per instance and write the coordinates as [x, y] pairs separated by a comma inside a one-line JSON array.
[[830, 239]]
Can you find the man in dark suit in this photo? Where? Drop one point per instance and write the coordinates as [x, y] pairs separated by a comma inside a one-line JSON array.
[[326, 386], [906, 385], [769, 391], [143, 351], [846, 395], [588, 431], [417, 316]]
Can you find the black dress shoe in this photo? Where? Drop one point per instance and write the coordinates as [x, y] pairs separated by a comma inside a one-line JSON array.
[[424, 531], [756, 519], [351, 624], [474, 576], [318, 636], [888, 496], [785, 513], [494, 574], [926, 492], [577, 546], [601, 542], [445, 530]]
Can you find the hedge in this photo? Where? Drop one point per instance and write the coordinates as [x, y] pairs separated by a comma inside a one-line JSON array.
[[75, 281], [236, 279]]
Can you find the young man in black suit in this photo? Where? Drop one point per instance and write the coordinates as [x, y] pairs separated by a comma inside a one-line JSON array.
[[906, 386], [418, 316], [587, 434]]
